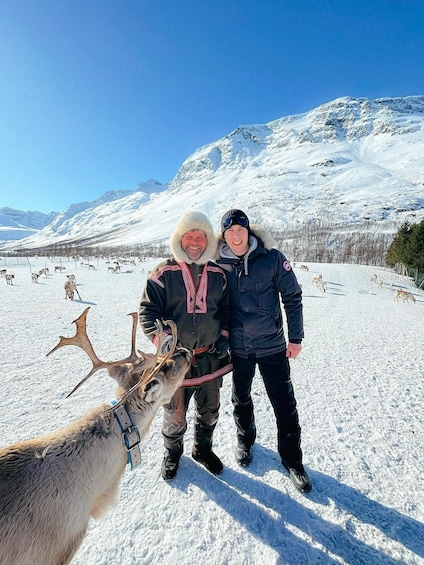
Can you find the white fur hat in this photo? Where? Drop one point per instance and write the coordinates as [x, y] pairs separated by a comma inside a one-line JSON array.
[[193, 220]]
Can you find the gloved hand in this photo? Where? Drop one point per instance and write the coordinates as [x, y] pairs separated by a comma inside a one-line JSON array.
[[222, 346], [166, 344]]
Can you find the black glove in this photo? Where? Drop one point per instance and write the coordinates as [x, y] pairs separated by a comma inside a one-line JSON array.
[[221, 347]]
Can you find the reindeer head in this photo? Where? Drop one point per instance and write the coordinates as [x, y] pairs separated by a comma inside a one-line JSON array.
[[157, 381], [162, 386], [153, 374]]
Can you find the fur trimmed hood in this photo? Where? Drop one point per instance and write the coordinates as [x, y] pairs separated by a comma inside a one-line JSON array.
[[193, 220]]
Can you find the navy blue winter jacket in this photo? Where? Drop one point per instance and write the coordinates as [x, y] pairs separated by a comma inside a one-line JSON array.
[[257, 282]]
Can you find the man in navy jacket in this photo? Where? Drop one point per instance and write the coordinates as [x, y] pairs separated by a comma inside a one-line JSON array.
[[258, 275]]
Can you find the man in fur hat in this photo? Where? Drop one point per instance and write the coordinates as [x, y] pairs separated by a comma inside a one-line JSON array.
[[258, 276], [192, 291]]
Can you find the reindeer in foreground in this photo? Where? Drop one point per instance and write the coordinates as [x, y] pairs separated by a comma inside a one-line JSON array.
[[51, 486]]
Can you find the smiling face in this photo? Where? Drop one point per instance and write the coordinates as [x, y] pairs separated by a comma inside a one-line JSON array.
[[237, 239], [194, 243]]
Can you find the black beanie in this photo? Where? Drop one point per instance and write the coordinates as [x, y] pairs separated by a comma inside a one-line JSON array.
[[234, 217]]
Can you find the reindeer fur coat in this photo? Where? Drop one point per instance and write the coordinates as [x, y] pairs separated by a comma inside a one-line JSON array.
[[195, 295]]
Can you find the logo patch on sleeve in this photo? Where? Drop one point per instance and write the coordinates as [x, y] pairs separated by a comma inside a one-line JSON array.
[[287, 266]]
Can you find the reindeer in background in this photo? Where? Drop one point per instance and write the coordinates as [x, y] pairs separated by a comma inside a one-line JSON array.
[[71, 287], [51, 486]]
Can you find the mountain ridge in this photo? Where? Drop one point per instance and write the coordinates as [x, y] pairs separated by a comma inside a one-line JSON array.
[[351, 162]]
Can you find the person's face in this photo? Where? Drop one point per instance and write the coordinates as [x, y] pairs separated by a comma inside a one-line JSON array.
[[194, 243], [237, 239]]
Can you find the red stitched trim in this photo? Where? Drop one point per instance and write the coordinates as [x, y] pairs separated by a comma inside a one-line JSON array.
[[196, 381]]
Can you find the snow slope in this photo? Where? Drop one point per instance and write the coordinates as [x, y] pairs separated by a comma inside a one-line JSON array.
[[353, 162], [359, 386]]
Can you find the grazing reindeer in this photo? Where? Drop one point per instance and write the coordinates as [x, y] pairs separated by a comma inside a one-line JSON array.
[[322, 286], [316, 280], [404, 294], [51, 486], [115, 269], [70, 289], [304, 268], [34, 277]]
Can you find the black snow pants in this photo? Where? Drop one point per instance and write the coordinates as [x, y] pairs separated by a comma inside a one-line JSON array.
[[275, 371]]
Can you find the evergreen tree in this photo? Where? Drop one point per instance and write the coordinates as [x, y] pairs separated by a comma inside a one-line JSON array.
[[414, 249], [397, 249]]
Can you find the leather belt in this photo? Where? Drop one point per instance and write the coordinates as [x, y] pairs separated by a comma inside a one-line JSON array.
[[198, 352], [201, 350]]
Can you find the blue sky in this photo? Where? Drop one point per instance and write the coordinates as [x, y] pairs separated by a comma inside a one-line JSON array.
[[99, 95]]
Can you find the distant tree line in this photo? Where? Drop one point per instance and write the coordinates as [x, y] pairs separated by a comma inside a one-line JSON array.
[[86, 252], [322, 243], [406, 252], [316, 242]]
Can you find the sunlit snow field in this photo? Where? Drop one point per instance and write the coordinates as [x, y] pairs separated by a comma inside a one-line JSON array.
[[359, 386]]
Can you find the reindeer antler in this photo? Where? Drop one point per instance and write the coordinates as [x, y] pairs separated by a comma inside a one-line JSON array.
[[81, 339]]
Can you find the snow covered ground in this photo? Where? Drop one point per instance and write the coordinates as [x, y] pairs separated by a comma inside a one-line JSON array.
[[359, 385]]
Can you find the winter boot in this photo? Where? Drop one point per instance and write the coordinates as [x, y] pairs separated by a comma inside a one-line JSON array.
[[300, 478], [208, 458], [243, 455], [170, 464]]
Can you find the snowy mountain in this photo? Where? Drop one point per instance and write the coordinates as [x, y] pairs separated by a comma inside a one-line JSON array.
[[89, 220], [83, 217], [16, 224], [350, 164]]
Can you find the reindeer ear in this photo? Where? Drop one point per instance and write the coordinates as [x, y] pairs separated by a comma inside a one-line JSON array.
[[153, 391]]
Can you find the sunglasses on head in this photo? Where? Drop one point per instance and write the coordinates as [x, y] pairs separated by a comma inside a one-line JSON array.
[[239, 220]]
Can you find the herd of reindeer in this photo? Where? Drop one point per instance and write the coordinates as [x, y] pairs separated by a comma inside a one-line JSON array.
[[70, 284], [399, 294]]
